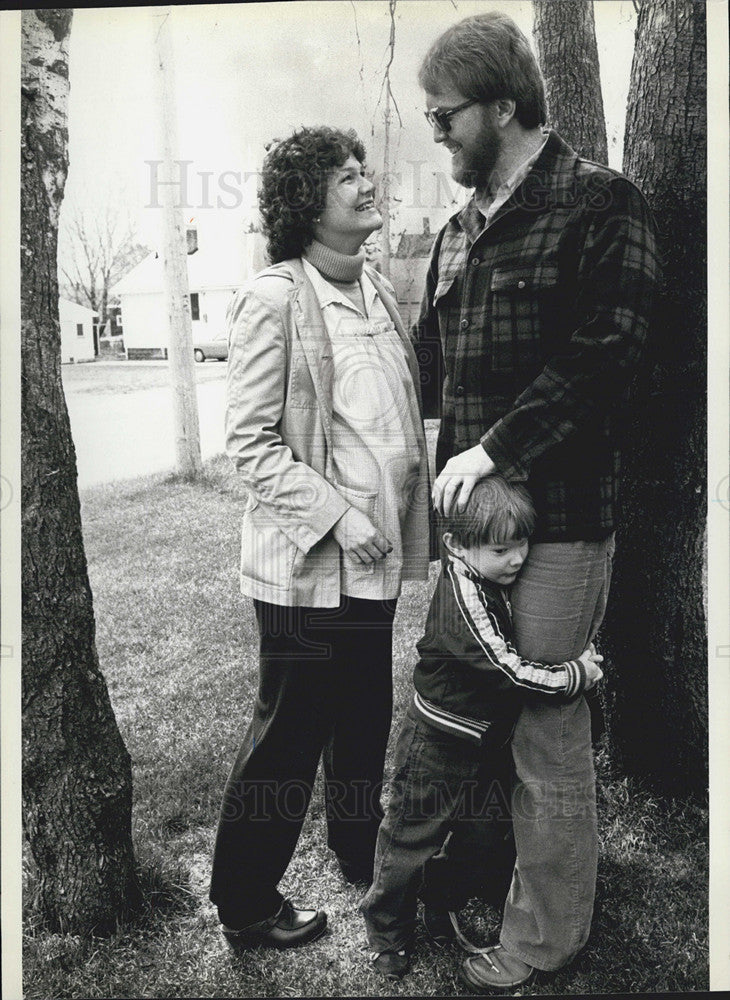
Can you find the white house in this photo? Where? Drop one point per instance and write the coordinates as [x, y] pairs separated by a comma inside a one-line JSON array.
[[77, 332], [220, 259], [408, 267]]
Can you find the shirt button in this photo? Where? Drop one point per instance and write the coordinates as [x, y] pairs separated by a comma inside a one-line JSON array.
[[476, 260], [520, 284], [460, 390], [464, 324]]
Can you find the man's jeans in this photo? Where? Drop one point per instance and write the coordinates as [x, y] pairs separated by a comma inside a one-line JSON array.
[[558, 603], [439, 781]]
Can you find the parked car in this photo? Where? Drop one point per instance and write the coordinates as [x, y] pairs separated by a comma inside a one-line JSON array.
[[217, 348]]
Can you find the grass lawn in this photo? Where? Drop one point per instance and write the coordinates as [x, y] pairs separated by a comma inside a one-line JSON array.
[[177, 646]]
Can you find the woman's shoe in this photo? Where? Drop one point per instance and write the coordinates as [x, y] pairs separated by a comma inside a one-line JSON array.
[[288, 928], [391, 964]]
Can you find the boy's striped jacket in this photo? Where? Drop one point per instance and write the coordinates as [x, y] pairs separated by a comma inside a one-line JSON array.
[[470, 680]]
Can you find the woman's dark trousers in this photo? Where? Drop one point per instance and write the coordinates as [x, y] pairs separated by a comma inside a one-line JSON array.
[[325, 689]]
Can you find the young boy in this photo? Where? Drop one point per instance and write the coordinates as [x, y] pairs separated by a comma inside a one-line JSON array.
[[452, 759]]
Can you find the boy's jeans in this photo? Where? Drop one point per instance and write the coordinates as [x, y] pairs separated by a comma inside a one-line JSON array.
[[438, 780], [558, 603]]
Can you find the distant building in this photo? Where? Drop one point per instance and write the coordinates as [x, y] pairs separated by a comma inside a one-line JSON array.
[[408, 267], [77, 332], [220, 260]]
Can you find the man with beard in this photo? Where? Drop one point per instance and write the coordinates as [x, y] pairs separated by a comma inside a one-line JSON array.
[[537, 302]]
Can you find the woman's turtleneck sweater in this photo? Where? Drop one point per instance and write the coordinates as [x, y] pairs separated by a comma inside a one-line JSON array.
[[341, 270]]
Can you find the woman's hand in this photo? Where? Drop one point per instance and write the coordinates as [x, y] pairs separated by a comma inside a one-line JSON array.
[[359, 539]]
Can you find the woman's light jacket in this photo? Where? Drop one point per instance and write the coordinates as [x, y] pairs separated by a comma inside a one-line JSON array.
[[279, 436]]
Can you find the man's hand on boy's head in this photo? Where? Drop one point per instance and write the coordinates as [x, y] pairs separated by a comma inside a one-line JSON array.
[[459, 477], [590, 659]]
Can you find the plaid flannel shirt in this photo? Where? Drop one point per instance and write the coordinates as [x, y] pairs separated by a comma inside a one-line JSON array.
[[533, 327]]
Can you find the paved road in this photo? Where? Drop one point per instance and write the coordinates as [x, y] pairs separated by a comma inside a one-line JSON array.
[[121, 431], [131, 434]]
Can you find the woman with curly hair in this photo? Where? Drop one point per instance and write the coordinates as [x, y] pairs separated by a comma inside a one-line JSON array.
[[324, 427]]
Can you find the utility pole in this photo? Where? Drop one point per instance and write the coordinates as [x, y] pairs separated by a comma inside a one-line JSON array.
[[174, 260]]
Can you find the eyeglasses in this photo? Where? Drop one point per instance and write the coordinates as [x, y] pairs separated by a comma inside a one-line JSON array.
[[440, 117]]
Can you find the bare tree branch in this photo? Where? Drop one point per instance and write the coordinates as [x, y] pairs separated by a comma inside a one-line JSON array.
[[359, 45], [96, 248], [385, 82], [391, 45]]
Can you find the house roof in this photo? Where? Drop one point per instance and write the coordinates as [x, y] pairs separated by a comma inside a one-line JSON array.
[[222, 264], [415, 245], [71, 308]]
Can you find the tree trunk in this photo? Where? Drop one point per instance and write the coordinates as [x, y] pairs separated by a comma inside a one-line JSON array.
[[565, 35], [656, 630], [104, 307], [77, 786]]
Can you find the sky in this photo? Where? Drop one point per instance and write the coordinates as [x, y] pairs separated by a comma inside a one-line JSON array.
[[246, 73]]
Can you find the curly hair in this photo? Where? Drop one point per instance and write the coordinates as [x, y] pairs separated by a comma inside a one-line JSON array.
[[294, 185]]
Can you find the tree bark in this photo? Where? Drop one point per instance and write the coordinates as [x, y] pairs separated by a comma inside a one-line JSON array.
[[565, 36], [656, 631], [77, 786]]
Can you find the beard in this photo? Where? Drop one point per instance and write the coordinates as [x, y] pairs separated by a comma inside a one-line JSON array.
[[473, 166]]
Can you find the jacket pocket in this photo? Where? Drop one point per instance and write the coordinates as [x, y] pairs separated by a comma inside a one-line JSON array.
[[366, 503], [267, 555], [520, 296]]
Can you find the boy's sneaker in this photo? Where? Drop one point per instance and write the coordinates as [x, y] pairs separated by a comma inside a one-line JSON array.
[[355, 871], [391, 964], [439, 926]]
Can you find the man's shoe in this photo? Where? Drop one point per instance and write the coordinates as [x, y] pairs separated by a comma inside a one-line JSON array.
[[495, 970], [391, 964], [439, 926], [287, 928], [354, 871]]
